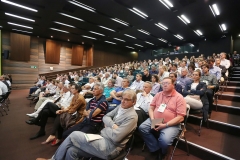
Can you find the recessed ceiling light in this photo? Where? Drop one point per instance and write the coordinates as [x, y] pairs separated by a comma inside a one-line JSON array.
[[0, 26], [145, 32], [38, 36], [51, 36], [163, 40], [107, 28], [239, 35], [166, 3], [64, 24], [138, 12], [149, 42], [130, 36], [138, 45], [19, 5], [59, 30], [20, 25], [97, 33], [88, 37], [109, 42], [120, 21], [119, 39], [13, 15], [84, 6], [71, 16], [21, 31], [68, 40], [185, 18], [130, 47], [191, 45]]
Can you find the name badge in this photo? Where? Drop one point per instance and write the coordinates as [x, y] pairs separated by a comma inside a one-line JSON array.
[[205, 82], [162, 108]]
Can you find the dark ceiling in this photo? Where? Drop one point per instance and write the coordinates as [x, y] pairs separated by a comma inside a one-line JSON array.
[[50, 13]]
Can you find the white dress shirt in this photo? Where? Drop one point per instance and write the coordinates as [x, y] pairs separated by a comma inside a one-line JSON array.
[[137, 85], [225, 63], [66, 99], [143, 102]]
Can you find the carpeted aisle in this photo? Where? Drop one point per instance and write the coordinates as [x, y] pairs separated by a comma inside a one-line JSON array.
[[15, 134]]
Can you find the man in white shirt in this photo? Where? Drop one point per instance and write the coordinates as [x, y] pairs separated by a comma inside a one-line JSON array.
[[105, 79], [3, 87], [143, 103], [138, 83], [90, 84], [183, 66], [118, 79], [224, 61]]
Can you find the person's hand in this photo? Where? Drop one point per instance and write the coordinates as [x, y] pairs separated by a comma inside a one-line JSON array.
[[144, 94], [59, 111], [114, 126], [119, 98], [160, 126]]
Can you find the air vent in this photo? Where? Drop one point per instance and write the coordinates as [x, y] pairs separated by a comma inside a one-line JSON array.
[[70, 8]]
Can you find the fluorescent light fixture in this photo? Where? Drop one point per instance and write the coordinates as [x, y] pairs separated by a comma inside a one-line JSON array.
[[109, 42], [21, 31], [179, 37], [224, 27], [71, 16], [130, 36], [16, 16], [166, 3], [88, 37], [185, 18], [59, 30], [182, 19], [130, 47], [64, 24], [107, 28], [191, 45], [84, 6], [97, 33], [119, 39], [19, 25], [149, 42], [239, 35], [120, 21], [138, 12], [138, 45], [161, 26], [199, 32], [19, 5], [215, 9], [163, 40], [0, 26], [145, 32]]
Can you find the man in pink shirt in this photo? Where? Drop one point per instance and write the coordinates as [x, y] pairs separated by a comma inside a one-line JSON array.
[[171, 106]]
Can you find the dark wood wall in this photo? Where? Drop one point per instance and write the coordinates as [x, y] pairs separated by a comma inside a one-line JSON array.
[[77, 55], [52, 52]]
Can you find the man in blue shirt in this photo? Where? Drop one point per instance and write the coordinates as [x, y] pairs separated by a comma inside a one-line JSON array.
[[183, 79], [214, 69]]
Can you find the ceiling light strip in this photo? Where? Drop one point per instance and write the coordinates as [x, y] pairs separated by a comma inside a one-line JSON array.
[[130, 47], [160, 27], [137, 13], [71, 16], [145, 32], [21, 31], [109, 42], [88, 37], [224, 27], [97, 33], [149, 42], [164, 3], [64, 24], [138, 45], [19, 5], [82, 5], [215, 9], [185, 18], [119, 39], [130, 36], [199, 32], [59, 30], [145, 15], [20, 17], [182, 19], [107, 28], [163, 40], [20, 25], [120, 21]]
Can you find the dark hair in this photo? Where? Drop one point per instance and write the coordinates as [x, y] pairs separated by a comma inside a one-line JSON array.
[[131, 73], [156, 77], [199, 72], [211, 60], [175, 74], [174, 64], [77, 87], [205, 65], [192, 66]]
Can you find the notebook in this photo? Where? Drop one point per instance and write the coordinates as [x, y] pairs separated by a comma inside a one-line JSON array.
[[92, 137], [156, 121]]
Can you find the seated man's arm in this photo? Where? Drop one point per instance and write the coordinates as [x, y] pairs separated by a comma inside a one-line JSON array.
[[101, 107], [113, 95], [150, 112], [108, 118]]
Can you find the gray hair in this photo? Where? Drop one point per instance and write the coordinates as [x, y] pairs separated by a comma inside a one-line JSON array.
[[100, 85], [112, 80], [184, 69], [127, 79], [132, 93], [148, 82]]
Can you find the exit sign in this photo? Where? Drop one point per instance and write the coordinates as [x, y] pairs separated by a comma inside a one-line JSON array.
[[33, 66]]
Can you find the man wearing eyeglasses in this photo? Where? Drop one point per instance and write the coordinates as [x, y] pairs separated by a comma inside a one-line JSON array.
[[171, 106]]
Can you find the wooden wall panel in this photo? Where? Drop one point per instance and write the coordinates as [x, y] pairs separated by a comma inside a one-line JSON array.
[[89, 55], [77, 55], [20, 47], [52, 52]]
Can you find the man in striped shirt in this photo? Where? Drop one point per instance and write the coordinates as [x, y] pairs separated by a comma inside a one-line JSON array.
[[96, 108]]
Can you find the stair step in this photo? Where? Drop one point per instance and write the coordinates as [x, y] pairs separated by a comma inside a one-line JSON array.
[[230, 89], [211, 144], [235, 75], [232, 96], [227, 107], [234, 78], [233, 83], [226, 118]]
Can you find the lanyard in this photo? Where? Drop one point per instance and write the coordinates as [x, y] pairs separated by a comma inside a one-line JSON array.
[[168, 100]]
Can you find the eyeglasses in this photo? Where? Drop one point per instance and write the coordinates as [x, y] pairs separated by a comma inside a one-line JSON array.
[[126, 99], [166, 83]]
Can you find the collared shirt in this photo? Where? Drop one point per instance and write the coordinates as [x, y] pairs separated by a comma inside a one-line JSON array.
[[105, 81], [223, 70], [180, 69], [209, 79], [225, 63], [3, 87], [66, 99], [118, 90], [118, 82], [103, 106], [155, 88], [137, 85], [216, 71], [121, 111], [165, 74], [175, 105], [143, 102], [153, 72], [178, 88], [107, 91], [183, 80]]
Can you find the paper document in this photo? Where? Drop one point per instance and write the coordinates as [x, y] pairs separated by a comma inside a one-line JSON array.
[[156, 121], [92, 137]]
